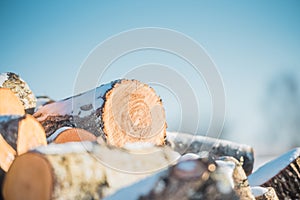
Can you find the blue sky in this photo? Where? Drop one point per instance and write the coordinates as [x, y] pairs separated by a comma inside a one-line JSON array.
[[250, 42]]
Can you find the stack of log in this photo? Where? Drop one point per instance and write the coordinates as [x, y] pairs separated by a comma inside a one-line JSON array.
[[111, 143]]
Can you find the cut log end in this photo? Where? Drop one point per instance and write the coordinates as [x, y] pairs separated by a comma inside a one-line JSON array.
[[34, 168], [74, 135], [9, 103], [18, 134], [133, 113], [33, 135]]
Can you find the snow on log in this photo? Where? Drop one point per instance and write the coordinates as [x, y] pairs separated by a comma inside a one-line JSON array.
[[261, 193], [282, 173], [9, 103], [123, 111], [81, 170], [20, 88], [68, 134], [18, 134], [188, 179], [187, 143], [233, 169]]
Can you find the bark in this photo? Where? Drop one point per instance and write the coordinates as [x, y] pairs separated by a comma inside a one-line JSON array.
[[287, 182], [82, 170], [18, 134], [123, 111], [189, 179], [187, 143], [20, 88], [282, 174]]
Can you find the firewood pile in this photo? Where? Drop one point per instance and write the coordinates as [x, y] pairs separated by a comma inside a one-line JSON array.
[[111, 143]]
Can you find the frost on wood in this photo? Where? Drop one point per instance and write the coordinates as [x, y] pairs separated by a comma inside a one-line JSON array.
[[187, 143], [282, 173], [84, 170], [123, 111], [189, 179], [20, 88]]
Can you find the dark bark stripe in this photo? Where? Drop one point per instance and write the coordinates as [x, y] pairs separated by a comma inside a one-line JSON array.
[[287, 182], [9, 129], [53, 123]]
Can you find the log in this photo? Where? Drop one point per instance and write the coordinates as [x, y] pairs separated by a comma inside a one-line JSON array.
[[20, 88], [261, 193], [236, 174], [18, 134], [123, 111], [187, 143], [81, 170], [68, 134], [189, 179], [9, 103], [282, 173]]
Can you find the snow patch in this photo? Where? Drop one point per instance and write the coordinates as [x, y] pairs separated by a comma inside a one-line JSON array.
[[189, 156], [258, 191], [226, 168], [3, 78], [73, 105], [138, 145], [272, 168]]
